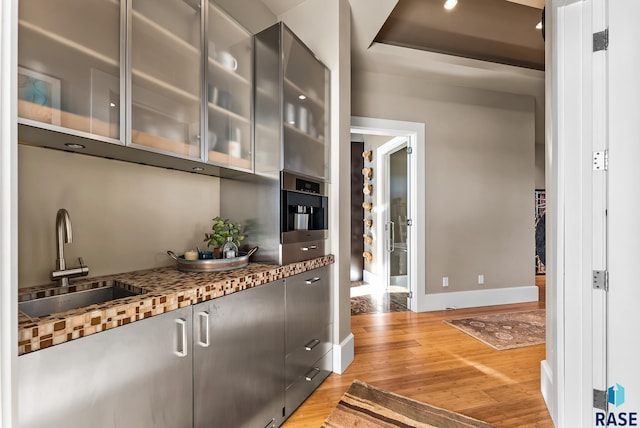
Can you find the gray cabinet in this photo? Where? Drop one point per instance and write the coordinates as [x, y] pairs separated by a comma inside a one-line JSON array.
[[69, 67], [308, 334], [292, 105], [137, 375], [165, 51], [229, 91], [239, 359], [158, 82]]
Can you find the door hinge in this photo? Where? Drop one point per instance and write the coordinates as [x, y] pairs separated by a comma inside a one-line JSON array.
[[410, 296], [409, 222], [600, 399], [601, 40], [601, 160], [409, 150], [601, 280]]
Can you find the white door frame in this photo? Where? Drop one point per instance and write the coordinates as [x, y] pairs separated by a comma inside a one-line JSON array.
[[415, 134], [8, 212], [576, 222]]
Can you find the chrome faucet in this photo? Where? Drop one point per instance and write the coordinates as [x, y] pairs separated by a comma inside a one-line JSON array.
[[64, 235]]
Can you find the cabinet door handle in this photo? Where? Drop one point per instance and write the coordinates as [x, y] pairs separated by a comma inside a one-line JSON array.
[[203, 329], [309, 346], [311, 374], [312, 280], [181, 338], [271, 424], [310, 247]]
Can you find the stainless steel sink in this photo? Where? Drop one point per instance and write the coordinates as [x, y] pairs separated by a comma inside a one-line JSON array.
[[77, 299]]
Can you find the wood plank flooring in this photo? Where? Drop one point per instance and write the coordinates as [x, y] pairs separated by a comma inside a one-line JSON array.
[[419, 356]]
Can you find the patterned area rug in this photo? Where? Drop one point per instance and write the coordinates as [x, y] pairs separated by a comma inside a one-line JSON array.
[[379, 303], [365, 406], [505, 331]]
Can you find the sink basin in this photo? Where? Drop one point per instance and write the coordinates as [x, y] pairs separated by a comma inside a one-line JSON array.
[[77, 299]]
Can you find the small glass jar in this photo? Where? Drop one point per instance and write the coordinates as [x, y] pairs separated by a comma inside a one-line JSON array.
[[229, 249]]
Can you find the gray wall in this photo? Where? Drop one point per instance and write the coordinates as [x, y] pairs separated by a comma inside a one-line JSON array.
[[479, 176], [125, 216], [540, 166]]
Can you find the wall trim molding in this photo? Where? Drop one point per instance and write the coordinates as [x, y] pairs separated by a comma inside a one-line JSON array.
[[546, 387], [415, 132], [476, 298], [343, 354]]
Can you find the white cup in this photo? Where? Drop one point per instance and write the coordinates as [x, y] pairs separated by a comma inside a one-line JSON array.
[[290, 113], [227, 60], [235, 149], [303, 119]]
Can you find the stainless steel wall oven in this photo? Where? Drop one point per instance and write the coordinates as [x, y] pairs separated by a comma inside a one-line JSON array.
[[303, 217]]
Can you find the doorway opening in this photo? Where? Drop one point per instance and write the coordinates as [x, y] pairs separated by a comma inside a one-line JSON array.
[[387, 215]]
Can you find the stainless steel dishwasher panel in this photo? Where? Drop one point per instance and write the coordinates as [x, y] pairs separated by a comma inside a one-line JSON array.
[[239, 359], [308, 303], [137, 375]]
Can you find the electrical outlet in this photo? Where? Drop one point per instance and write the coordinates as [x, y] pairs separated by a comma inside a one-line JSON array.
[[445, 281], [480, 279]]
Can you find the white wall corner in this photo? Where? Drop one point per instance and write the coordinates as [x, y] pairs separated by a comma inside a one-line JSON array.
[[546, 388], [371, 279], [477, 298], [343, 354], [8, 213]]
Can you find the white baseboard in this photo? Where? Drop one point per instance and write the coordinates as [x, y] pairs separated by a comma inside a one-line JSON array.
[[546, 387], [476, 298], [343, 354]]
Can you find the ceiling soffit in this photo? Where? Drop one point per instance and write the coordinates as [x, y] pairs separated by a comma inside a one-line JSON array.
[[490, 30]]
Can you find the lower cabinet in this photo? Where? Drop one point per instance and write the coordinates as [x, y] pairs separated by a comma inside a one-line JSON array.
[[238, 359], [248, 359], [137, 375], [308, 334]]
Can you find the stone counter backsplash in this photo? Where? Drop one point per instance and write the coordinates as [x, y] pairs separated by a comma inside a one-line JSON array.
[[167, 289]]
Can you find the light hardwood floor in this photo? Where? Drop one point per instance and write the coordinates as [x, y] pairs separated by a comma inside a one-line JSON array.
[[419, 356]]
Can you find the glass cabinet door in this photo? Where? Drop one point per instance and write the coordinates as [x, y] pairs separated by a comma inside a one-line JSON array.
[[166, 76], [305, 104], [69, 66], [229, 75]]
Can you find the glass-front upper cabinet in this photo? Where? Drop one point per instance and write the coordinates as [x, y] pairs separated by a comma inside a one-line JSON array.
[[69, 74], [229, 77], [305, 107], [165, 48], [291, 106]]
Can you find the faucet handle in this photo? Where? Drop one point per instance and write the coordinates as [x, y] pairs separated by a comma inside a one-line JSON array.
[[81, 262]]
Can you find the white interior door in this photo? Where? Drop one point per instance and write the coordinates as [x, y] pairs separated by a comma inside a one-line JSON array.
[[395, 209], [623, 370]]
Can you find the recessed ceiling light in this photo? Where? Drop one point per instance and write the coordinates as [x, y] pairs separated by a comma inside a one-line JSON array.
[[198, 168], [302, 97], [450, 4], [112, 104], [74, 146], [539, 26]]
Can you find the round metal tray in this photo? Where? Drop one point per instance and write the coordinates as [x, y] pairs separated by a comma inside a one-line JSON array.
[[212, 265]]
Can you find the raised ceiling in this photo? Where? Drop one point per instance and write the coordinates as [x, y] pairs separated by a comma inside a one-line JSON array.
[[500, 31]]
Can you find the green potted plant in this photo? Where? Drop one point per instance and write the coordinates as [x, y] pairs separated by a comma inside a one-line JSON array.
[[221, 229]]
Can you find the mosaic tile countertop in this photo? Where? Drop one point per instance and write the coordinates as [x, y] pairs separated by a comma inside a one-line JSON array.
[[165, 289]]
